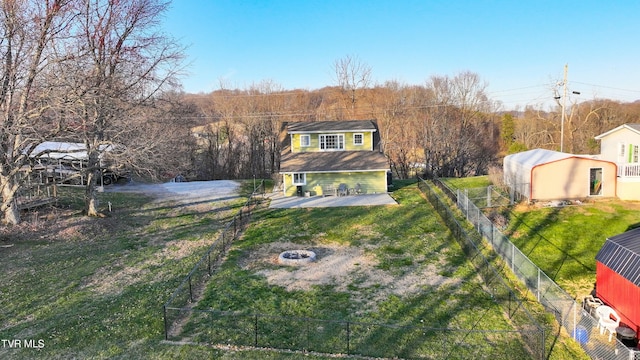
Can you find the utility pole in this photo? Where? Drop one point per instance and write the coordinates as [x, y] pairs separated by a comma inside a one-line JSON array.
[[564, 106]]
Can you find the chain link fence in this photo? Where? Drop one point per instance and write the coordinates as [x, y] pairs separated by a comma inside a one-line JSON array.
[[353, 338], [576, 320], [533, 334]]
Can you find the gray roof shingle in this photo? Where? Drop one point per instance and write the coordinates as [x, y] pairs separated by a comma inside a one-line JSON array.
[[333, 161], [331, 126]]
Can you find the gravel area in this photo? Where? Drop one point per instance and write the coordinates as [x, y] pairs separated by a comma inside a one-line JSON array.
[[184, 193]]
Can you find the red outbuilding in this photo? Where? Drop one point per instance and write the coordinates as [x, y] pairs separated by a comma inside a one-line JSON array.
[[618, 276]]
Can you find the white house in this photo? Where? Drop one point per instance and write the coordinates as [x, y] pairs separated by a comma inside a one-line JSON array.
[[622, 146]]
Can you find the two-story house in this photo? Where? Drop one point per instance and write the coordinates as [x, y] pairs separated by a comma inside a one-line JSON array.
[[327, 157], [622, 146]]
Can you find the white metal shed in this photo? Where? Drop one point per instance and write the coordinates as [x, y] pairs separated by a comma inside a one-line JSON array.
[[542, 174]]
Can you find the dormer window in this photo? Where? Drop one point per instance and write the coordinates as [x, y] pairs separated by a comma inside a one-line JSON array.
[[305, 140], [358, 139], [332, 142]]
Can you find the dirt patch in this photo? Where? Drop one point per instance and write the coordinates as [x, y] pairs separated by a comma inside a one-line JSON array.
[[344, 267]]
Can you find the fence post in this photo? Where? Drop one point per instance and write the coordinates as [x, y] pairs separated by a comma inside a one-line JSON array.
[[543, 351], [489, 196], [348, 338], [513, 257], [255, 329], [538, 287], [166, 326], [466, 195], [190, 290]]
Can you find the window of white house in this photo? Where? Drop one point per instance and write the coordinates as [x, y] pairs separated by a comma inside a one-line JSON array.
[[635, 158], [299, 179], [358, 139], [621, 152], [332, 142], [305, 140]]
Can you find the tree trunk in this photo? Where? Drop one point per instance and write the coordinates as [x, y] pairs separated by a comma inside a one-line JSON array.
[[90, 200], [9, 206]]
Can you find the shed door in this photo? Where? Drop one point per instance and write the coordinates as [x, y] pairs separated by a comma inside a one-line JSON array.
[[595, 181]]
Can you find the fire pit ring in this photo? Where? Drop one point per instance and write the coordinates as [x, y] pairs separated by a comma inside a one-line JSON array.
[[296, 257]]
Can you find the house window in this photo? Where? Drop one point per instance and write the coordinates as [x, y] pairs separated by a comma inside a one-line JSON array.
[[358, 139], [634, 158], [332, 142], [299, 179], [622, 147], [305, 140]]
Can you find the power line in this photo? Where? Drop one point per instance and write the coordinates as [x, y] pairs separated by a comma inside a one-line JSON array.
[[607, 87]]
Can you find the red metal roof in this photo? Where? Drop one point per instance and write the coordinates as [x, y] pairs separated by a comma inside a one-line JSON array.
[[621, 253]]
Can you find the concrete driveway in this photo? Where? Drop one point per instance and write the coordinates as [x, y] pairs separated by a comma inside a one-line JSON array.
[[278, 201]]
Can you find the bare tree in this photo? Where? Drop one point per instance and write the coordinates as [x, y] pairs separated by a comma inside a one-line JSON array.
[[460, 139], [122, 63], [351, 75], [28, 30]]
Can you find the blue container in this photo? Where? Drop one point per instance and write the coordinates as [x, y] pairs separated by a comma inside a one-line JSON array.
[[581, 335]]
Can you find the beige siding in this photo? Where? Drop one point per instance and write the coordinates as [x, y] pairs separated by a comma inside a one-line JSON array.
[[570, 179], [628, 190]]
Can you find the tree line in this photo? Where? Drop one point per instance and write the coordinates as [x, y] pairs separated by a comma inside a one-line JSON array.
[[447, 127]]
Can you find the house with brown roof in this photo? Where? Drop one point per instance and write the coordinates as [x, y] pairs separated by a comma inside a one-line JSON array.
[[332, 158], [621, 145]]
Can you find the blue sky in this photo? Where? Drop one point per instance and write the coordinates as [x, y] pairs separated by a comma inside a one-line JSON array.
[[518, 47]]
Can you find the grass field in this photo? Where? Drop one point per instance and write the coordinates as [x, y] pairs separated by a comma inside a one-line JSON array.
[[563, 241], [94, 288], [407, 272]]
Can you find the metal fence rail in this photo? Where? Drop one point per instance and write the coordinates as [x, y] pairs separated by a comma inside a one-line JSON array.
[[352, 338], [533, 334], [576, 320]]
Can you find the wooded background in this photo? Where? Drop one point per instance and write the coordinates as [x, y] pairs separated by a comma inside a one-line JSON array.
[[447, 127]]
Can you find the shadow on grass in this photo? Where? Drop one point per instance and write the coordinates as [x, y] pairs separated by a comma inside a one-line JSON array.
[[534, 242], [441, 318]]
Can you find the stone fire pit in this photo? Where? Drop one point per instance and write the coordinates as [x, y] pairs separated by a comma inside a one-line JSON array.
[[296, 257]]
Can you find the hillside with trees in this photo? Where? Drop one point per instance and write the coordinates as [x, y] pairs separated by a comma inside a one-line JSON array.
[[447, 127]]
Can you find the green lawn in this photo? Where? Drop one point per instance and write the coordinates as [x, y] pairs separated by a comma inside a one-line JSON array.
[[563, 241], [94, 288], [400, 241]]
